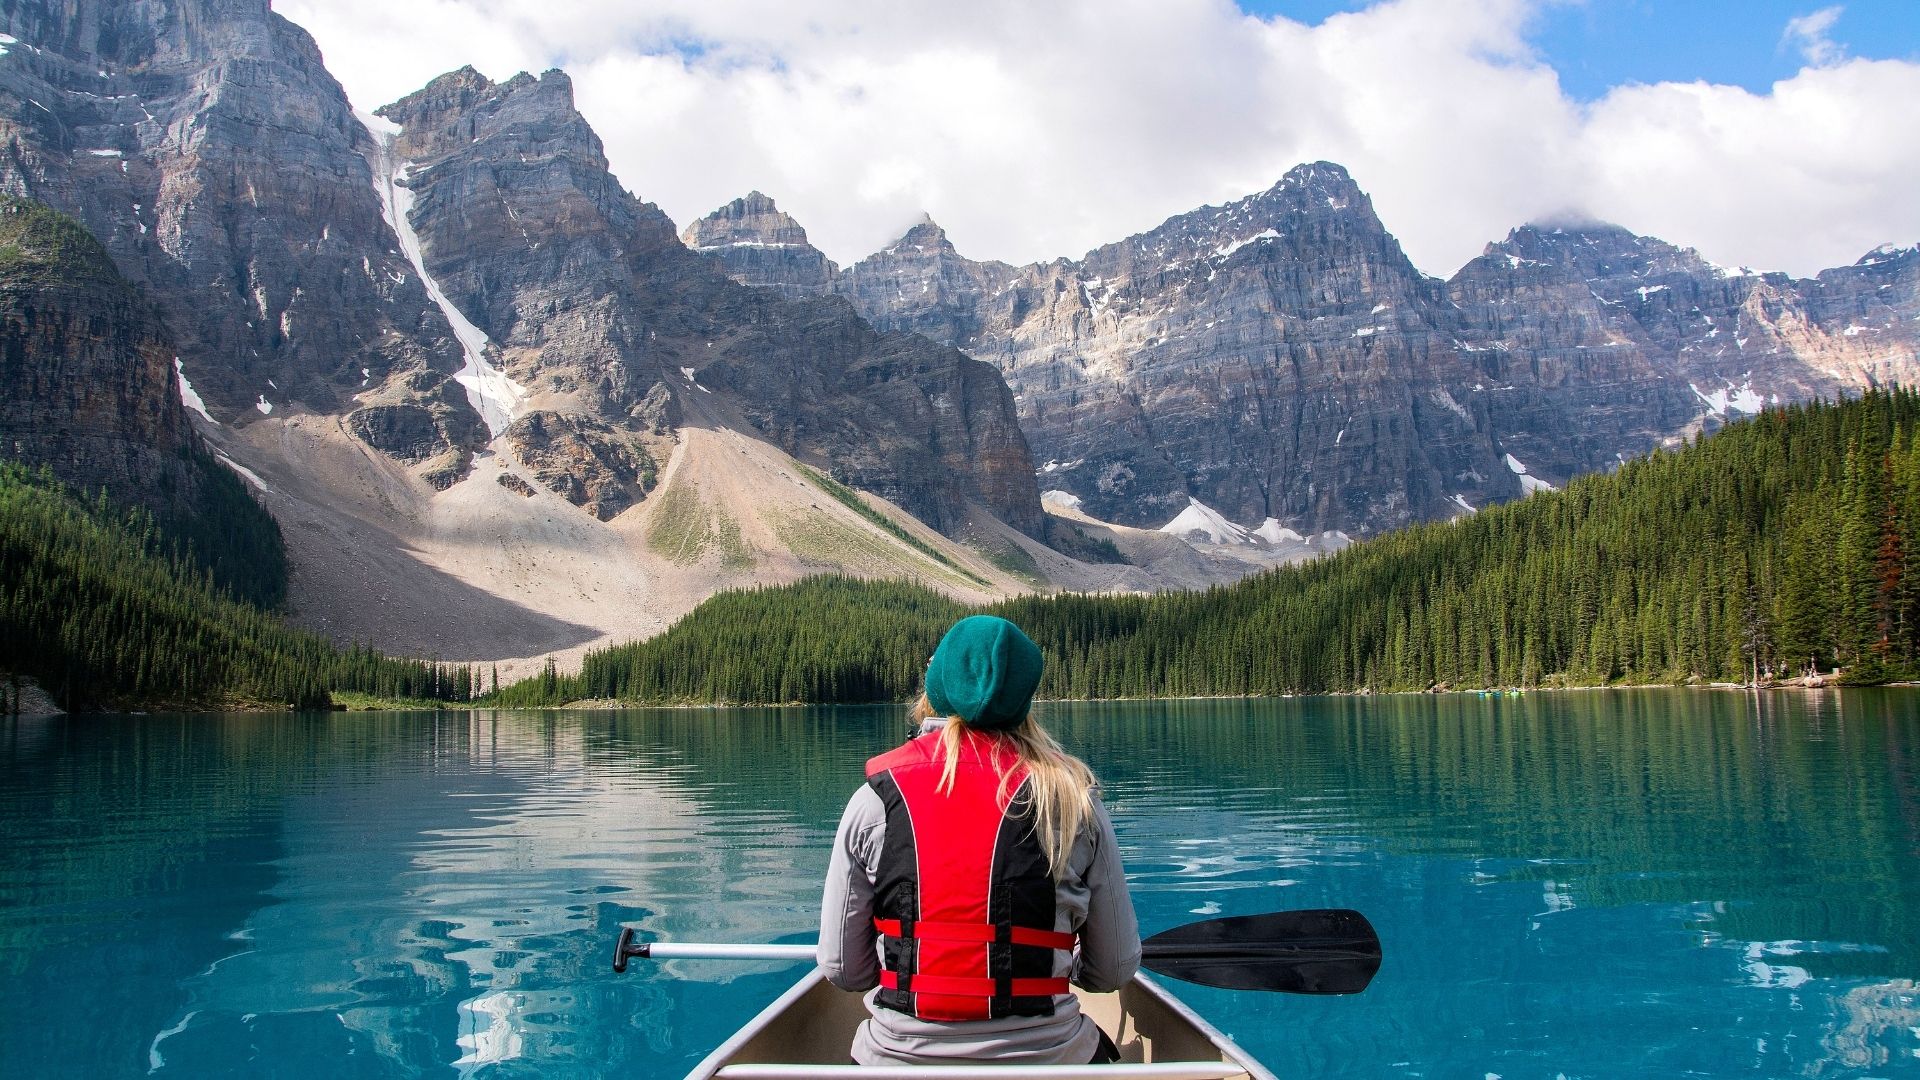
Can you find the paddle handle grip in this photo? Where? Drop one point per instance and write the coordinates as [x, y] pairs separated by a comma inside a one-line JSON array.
[[693, 950]]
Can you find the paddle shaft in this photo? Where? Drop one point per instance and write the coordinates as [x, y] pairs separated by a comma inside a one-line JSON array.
[[703, 950], [1323, 951], [694, 950]]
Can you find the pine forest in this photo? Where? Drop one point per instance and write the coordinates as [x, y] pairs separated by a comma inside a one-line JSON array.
[[1778, 548], [107, 608]]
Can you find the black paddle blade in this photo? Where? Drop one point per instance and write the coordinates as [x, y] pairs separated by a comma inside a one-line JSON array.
[[1321, 951]]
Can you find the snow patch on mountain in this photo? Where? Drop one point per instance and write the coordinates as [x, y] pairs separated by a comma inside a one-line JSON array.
[[1203, 523], [1529, 483], [1731, 399], [1225, 250], [188, 397], [492, 394], [1066, 500], [1275, 533], [250, 476]]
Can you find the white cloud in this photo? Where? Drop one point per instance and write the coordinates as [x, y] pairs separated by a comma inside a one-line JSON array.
[[1808, 34], [1814, 174], [1037, 130]]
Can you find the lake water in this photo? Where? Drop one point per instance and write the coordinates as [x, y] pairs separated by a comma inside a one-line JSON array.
[[1625, 884]]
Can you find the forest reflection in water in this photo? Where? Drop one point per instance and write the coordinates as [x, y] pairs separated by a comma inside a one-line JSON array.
[[1609, 883]]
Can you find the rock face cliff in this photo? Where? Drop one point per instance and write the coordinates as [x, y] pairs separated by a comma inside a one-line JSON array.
[[598, 312], [1280, 358], [86, 363], [92, 394], [463, 276], [760, 245], [205, 144]]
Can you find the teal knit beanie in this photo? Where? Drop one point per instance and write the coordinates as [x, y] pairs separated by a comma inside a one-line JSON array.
[[985, 672]]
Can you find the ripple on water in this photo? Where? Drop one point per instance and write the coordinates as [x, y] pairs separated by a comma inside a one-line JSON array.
[[1671, 883]]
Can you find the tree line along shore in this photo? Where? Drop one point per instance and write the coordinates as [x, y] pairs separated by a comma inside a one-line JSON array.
[[1779, 548]]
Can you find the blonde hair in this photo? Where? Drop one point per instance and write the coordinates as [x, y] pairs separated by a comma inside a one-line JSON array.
[[1059, 786]]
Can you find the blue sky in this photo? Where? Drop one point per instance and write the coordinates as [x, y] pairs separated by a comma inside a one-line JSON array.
[[1598, 44]]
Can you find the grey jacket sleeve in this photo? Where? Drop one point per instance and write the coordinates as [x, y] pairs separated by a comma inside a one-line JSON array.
[[1110, 939], [849, 945]]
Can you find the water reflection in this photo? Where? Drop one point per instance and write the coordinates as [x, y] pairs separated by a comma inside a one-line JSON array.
[[1667, 882], [624, 819], [1688, 871]]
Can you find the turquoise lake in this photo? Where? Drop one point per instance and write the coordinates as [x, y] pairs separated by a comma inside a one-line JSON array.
[[1659, 883]]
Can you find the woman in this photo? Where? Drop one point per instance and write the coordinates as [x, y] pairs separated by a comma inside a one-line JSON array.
[[976, 874]]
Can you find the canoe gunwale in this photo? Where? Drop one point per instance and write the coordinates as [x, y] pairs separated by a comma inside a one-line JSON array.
[[1229, 1050], [1234, 1060], [714, 1062], [1151, 1070]]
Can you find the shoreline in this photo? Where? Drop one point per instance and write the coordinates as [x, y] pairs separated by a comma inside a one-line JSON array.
[[615, 705]]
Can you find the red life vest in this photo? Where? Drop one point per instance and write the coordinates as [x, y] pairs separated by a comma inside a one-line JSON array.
[[964, 898]]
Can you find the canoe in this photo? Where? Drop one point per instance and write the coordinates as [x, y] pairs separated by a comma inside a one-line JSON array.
[[806, 1034]]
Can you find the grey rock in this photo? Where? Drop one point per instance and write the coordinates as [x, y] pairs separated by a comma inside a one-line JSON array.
[[595, 304], [209, 149], [404, 431], [585, 461], [222, 166], [87, 365], [1279, 357], [756, 244], [1276, 357]]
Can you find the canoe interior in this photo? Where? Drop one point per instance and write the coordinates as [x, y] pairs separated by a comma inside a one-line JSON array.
[[813, 1024]]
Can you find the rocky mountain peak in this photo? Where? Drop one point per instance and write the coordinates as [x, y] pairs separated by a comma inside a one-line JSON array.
[[1317, 189], [1154, 370], [616, 335], [1280, 357], [460, 108], [921, 284], [1314, 212], [1588, 263], [207, 147], [1323, 180], [752, 219], [755, 209], [757, 244], [1589, 249], [1889, 253], [926, 237]]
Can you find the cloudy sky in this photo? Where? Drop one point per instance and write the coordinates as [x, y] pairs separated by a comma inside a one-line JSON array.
[[1766, 133]]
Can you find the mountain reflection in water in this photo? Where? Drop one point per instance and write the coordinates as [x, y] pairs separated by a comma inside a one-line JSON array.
[[1622, 883]]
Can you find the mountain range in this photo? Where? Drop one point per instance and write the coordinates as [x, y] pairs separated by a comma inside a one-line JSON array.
[[503, 408], [1279, 359]]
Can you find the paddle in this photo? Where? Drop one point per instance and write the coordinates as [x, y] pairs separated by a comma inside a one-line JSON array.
[[1319, 951], [1316, 951]]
